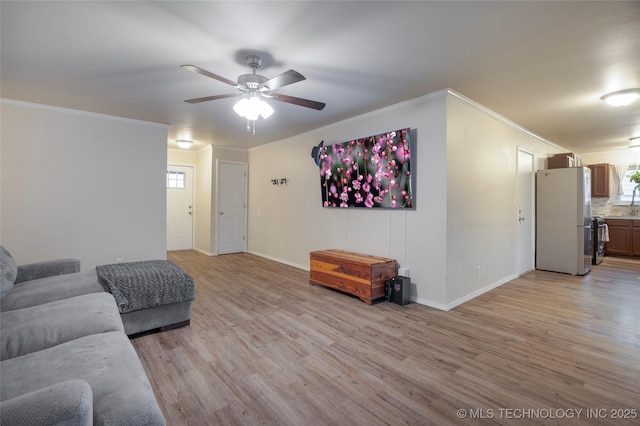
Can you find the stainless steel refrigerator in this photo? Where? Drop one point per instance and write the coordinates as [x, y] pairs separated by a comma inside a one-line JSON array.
[[563, 220]]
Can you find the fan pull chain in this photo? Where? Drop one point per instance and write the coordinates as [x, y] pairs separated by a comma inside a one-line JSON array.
[[251, 126]]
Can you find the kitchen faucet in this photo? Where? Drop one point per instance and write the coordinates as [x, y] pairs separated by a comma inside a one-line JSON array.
[[633, 207]]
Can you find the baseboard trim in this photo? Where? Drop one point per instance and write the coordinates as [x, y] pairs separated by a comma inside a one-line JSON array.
[[430, 303], [483, 290], [276, 259], [205, 252], [418, 300]]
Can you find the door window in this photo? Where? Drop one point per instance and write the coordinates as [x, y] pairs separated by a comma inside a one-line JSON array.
[[175, 179]]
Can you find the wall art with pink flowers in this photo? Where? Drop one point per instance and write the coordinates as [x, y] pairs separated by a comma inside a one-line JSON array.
[[371, 172]]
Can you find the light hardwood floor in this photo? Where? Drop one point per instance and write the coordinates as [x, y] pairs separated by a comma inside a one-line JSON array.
[[265, 347]]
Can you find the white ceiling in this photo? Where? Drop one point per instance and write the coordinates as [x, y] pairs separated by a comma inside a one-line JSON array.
[[543, 65]]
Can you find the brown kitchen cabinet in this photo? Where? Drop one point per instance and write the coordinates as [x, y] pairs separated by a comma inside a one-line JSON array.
[[621, 237], [599, 180], [635, 238]]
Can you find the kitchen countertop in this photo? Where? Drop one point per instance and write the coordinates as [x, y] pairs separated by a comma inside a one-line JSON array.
[[623, 217]]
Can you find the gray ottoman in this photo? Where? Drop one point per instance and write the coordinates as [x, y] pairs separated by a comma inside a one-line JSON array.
[[151, 294]]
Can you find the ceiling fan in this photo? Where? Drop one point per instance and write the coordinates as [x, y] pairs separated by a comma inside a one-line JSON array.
[[253, 87]]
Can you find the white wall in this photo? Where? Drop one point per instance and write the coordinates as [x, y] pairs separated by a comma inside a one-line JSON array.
[[457, 222], [482, 227], [624, 156], [181, 157], [286, 222], [77, 184], [202, 238]]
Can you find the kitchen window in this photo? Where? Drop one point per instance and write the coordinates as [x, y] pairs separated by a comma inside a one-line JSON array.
[[628, 186]]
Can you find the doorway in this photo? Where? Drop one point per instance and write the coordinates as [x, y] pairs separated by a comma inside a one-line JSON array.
[[232, 207], [179, 207], [526, 215]]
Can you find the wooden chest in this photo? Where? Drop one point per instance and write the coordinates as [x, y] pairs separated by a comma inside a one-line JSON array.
[[358, 274]]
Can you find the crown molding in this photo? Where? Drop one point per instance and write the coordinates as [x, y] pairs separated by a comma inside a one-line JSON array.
[[6, 101]]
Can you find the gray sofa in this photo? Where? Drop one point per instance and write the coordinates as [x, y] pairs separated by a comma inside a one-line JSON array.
[[65, 358], [43, 282]]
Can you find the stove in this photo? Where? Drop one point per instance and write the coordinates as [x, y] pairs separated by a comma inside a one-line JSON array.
[[598, 224]]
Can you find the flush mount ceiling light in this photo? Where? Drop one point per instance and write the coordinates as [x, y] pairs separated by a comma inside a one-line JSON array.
[[184, 144], [635, 144], [621, 97]]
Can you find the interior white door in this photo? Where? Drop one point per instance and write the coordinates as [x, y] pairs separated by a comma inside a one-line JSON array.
[[232, 207], [526, 203], [179, 207]]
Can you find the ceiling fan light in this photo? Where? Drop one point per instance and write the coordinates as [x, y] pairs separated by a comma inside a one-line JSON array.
[[265, 109], [252, 108], [184, 144], [241, 107], [621, 97]]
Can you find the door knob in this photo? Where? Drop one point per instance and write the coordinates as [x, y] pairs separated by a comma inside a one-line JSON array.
[[521, 219]]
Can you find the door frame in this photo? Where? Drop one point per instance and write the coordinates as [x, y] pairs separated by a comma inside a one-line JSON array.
[[246, 206], [193, 198], [532, 248]]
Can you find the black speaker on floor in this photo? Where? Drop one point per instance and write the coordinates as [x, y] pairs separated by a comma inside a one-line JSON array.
[[398, 290]]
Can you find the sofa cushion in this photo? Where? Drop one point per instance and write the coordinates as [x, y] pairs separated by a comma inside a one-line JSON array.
[[44, 290], [8, 271], [47, 268], [122, 394], [68, 403], [43, 326]]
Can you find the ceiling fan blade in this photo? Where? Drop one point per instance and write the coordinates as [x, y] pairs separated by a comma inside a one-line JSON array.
[[212, 98], [209, 74], [298, 101], [287, 77]]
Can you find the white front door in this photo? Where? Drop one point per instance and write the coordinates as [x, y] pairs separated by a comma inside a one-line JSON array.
[[526, 203], [232, 207], [179, 207]]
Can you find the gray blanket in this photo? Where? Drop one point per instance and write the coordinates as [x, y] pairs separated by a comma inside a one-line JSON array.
[[140, 285]]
